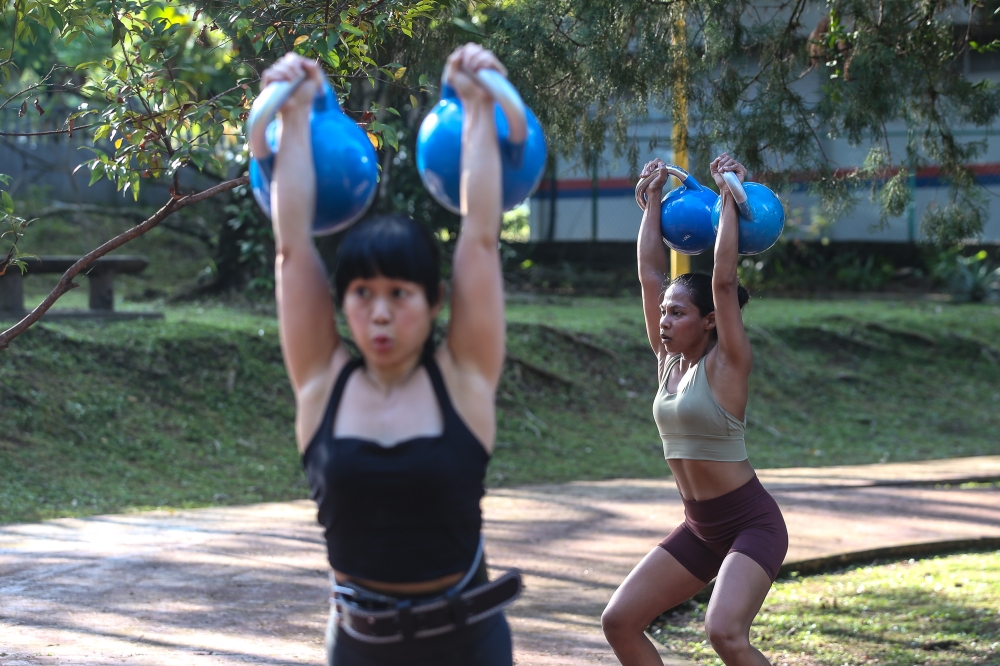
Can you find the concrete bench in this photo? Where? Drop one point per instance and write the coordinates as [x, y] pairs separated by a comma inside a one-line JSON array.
[[101, 275]]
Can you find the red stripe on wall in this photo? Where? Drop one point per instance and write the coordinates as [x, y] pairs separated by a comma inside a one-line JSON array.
[[585, 184]]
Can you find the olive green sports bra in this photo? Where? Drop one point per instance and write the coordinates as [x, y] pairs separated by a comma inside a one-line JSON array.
[[692, 424]]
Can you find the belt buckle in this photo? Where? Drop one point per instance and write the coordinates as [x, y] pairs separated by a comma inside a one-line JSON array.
[[459, 612], [405, 620]]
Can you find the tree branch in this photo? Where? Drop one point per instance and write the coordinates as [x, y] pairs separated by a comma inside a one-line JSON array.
[[49, 132], [13, 39], [66, 281], [30, 88]]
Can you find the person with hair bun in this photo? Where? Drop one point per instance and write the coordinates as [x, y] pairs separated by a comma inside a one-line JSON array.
[[732, 528], [395, 440]]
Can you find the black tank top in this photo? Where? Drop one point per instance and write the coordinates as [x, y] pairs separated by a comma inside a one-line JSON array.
[[401, 514]]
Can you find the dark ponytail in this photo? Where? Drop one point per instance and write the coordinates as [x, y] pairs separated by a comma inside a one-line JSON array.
[[699, 290]]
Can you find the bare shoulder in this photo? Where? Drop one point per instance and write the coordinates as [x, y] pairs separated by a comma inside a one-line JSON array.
[[718, 362], [472, 394], [313, 396]]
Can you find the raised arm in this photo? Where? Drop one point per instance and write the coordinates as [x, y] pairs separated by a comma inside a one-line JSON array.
[[476, 332], [734, 346], [652, 255], [305, 309]]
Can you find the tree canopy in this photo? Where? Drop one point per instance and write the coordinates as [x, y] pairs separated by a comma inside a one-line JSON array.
[[163, 88], [758, 80]]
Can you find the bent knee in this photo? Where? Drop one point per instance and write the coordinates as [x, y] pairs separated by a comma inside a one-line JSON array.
[[617, 622], [726, 637]]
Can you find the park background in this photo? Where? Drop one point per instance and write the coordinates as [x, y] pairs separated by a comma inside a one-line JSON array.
[[875, 320]]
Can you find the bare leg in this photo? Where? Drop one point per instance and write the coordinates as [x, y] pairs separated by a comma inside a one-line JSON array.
[[657, 583], [739, 592]]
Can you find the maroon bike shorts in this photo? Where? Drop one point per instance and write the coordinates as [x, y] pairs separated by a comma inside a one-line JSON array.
[[746, 520]]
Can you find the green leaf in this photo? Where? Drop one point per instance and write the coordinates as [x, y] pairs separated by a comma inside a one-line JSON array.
[[117, 32], [96, 173], [468, 26], [347, 27], [8, 203], [389, 134]]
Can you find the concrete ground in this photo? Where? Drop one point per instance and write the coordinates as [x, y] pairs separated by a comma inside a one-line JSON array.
[[248, 585]]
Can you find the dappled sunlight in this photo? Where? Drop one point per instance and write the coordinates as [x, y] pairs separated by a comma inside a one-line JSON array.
[[228, 585]]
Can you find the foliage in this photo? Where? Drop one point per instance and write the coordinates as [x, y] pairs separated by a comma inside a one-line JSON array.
[[172, 82], [515, 227], [163, 88], [941, 611], [11, 230], [972, 278], [761, 82]]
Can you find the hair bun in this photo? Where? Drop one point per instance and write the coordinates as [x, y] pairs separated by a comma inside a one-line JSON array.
[[742, 295]]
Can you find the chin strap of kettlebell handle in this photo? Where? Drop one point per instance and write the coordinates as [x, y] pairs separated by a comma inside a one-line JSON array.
[[739, 194], [264, 110], [643, 184]]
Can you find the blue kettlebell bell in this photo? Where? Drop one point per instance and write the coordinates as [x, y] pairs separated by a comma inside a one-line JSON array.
[[343, 157], [761, 215], [686, 213], [522, 144]]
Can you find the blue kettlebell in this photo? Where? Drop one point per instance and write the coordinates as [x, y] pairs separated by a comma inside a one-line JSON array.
[[686, 213], [343, 157], [761, 215], [522, 144]]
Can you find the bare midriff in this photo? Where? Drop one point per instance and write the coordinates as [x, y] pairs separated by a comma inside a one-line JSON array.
[[707, 479], [404, 589]]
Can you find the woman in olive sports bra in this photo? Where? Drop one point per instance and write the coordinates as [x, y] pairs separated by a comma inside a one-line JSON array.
[[732, 527]]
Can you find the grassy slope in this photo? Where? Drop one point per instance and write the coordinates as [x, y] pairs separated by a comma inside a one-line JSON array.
[[826, 389], [196, 409], [940, 612]]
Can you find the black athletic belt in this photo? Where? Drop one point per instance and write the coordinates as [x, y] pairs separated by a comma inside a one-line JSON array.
[[376, 618]]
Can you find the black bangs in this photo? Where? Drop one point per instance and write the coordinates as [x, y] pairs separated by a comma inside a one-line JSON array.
[[393, 246]]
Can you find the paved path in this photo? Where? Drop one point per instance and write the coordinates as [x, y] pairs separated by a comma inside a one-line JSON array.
[[247, 585]]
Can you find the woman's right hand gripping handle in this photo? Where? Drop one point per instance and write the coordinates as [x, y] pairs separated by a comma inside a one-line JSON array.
[[305, 308], [476, 331], [654, 266]]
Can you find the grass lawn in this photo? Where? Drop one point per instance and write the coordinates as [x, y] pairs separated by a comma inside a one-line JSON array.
[[941, 612], [195, 410]]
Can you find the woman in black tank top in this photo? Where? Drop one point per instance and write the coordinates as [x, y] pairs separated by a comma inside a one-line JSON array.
[[395, 444]]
